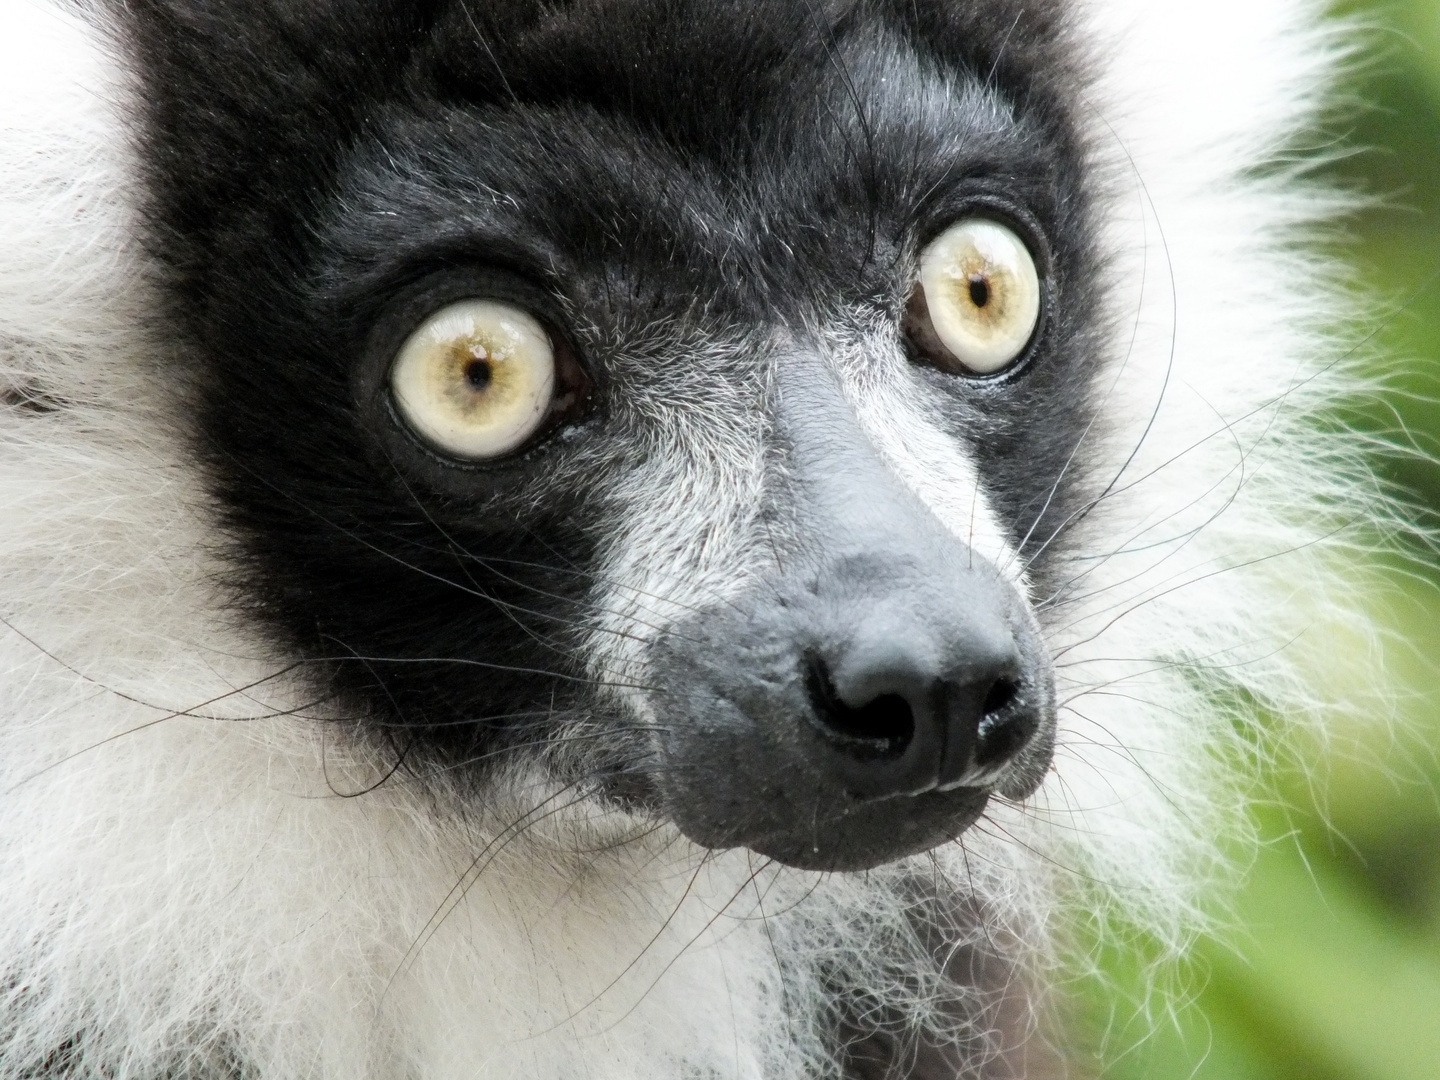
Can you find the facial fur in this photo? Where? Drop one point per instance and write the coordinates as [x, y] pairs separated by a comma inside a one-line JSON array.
[[332, 752]]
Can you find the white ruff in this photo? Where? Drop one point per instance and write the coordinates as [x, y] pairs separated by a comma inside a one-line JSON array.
[[179, 892]]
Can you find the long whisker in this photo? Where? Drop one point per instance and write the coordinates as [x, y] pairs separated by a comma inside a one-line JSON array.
[[670, 918]]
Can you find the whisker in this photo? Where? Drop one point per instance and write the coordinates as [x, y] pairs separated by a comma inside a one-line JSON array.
[[473, 872], [700, 866]]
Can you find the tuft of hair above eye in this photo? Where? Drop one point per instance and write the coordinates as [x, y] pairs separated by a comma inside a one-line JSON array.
[[976, 304]]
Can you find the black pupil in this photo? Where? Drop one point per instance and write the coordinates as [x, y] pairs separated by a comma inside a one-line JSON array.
[[979, 290], [477, 374]]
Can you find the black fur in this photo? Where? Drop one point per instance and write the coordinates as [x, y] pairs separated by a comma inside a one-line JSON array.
[[708, 164], [649, 177]]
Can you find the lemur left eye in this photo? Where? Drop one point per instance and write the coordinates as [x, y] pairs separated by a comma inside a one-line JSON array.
[[478, 378], [977, 303]]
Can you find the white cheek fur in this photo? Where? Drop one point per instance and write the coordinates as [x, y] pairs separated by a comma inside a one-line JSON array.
[[190, 885]]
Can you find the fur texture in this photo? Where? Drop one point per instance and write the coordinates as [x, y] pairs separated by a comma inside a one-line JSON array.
[[210, 864]]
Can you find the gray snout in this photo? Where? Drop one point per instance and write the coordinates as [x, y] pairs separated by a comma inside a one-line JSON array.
[[867, 700], [860, 715]]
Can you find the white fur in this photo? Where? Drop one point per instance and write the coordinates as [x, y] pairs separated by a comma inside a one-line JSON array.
[[178, 875]]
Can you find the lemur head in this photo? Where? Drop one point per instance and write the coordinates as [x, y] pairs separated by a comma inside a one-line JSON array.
[[675, 397], [652, 454]]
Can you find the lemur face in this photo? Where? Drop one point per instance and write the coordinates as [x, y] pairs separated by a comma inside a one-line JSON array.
[[503, 504], [680, 406]]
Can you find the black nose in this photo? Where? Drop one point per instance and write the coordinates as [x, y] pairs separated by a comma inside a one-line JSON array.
[[903, 713], [849, 716]]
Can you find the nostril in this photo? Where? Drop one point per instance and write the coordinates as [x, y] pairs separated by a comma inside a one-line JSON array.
[[884, 725], [1005, 724], [1001, 694], [888, 717]]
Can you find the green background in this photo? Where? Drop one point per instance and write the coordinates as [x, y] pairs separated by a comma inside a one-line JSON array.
[[1333, 970]]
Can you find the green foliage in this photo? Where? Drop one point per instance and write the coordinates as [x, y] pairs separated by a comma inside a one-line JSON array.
[[1335, 974]]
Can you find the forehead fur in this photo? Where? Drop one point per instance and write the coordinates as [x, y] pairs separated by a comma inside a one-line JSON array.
[[676, 66], [253, 109]]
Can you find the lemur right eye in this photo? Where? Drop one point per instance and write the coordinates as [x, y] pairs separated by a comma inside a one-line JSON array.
[[977, 303], [478, 378]]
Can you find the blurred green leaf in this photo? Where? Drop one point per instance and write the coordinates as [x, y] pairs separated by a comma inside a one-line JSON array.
[[1324, 968], [1336, 972]]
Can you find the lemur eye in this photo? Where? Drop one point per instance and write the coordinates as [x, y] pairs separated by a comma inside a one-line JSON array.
[[978, 299], [476, 379]]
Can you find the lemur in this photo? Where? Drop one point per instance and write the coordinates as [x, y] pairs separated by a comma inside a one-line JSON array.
[[641, 539]]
